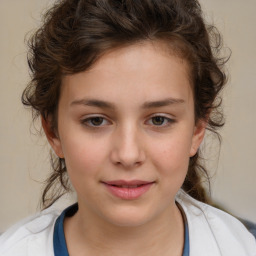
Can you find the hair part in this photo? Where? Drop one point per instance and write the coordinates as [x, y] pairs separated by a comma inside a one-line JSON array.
[[76, 33]]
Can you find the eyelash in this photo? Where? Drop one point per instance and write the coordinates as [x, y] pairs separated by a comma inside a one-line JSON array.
[[88, 121], [167, 121]]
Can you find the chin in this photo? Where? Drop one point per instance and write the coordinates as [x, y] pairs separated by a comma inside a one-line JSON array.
[[129, 217]]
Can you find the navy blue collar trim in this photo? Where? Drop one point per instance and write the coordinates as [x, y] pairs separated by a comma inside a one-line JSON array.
[[59, 241]]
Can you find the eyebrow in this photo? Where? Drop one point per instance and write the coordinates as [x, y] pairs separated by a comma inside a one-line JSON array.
[[108, 105], [162, 103], [93, 103]]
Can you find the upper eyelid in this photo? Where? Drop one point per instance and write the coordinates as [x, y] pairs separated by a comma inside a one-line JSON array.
[[168, 116], [160, 114], [94, 116]]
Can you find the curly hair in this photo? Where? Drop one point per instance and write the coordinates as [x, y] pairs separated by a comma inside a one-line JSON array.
[[76, 33]]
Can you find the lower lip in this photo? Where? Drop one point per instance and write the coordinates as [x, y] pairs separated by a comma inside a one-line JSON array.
[[128, 193]]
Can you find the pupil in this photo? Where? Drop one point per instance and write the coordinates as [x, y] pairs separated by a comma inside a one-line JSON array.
[[158, 120], [97, 121]]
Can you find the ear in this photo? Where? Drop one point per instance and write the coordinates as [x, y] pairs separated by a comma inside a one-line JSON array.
[[52, 137], [198, 136]]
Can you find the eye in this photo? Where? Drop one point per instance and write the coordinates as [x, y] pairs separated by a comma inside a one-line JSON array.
[[95, 121], [160, 121]]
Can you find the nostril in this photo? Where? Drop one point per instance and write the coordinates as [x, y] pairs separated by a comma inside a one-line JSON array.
[[128, 165]]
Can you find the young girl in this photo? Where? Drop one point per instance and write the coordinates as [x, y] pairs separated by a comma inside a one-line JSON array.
[[125, 91]]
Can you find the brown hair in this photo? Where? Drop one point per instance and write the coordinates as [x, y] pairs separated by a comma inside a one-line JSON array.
[[75, 33]]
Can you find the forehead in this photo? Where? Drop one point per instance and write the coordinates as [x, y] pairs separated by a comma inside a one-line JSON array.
[[143, 71], [141, 56]]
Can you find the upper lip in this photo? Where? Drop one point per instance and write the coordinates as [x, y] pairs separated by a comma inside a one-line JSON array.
[[127, 183]]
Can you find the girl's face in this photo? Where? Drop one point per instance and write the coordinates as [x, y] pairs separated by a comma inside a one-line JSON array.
[[126, 129]]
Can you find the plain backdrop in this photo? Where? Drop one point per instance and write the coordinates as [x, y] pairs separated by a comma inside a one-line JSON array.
[[24, 159]]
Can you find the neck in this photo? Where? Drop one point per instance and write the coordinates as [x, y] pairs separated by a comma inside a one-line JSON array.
[[163, 235]]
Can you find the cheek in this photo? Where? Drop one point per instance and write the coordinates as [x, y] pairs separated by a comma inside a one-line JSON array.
[[83, 157], [172, 165], [171, 157]]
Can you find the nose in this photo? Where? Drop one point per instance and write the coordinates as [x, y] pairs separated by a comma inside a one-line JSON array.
[[127, 149]]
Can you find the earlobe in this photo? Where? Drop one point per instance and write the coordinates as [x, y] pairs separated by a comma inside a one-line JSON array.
[[198, 136], [52, 137]]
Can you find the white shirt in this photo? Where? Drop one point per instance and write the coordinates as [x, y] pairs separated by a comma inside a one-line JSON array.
[[211, 233]]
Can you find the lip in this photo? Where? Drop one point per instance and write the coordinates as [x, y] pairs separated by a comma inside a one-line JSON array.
[[130, 191]]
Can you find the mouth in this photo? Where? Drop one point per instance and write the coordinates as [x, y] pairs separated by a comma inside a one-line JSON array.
[[126, 186], [128, 190]]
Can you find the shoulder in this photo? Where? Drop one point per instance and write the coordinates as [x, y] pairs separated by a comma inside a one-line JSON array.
[[32, 236], [212, 228]]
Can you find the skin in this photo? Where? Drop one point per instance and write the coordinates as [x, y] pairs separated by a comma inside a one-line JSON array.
[[127, 142]]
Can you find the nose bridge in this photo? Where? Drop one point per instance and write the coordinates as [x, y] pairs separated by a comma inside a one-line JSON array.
[[128, 147]]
